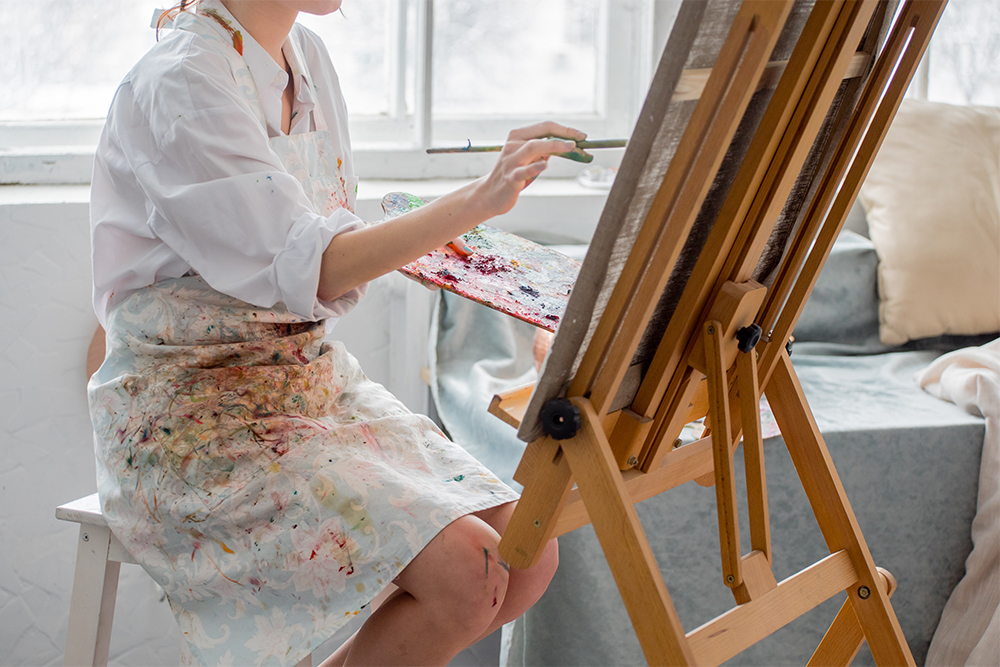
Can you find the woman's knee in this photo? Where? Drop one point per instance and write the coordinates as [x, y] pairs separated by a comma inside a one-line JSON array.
[[460, 574], [539, 575]]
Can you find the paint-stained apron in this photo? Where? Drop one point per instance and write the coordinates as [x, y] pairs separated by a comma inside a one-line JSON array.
[[251, 468]]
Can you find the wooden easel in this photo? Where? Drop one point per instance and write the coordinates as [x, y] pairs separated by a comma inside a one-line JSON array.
[[708, 361]]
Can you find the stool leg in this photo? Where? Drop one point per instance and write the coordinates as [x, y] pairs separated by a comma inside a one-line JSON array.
[[92, 606]]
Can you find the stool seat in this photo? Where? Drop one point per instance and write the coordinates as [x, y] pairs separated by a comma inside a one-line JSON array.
[[86, 511], [99, 556]]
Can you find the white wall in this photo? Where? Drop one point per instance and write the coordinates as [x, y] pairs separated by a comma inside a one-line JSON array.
[[45, 434]]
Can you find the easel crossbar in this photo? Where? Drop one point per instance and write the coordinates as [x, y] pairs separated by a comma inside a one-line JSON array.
[[742, 627]]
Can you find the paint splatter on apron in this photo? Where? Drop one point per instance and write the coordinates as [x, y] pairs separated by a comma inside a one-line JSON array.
[[253, 470]]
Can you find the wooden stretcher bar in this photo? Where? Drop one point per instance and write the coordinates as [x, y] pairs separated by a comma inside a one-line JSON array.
[[692, 81]]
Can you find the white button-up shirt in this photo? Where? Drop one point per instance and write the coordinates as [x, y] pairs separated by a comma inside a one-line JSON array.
[[171, 187]]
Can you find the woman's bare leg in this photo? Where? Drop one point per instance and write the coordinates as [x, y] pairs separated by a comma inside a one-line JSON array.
[[448, 595], [338, 657], [524, 587]]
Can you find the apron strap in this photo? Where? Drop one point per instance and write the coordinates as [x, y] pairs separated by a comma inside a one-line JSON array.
[[318, 120]]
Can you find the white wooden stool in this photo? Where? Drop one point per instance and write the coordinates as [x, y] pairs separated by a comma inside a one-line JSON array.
[[99, 556]]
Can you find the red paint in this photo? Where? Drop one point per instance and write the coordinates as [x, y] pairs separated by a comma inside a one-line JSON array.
[[488, 265], [501, 266], [446, 275]]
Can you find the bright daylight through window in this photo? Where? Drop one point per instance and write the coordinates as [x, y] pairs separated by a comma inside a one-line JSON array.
[[414, 72]]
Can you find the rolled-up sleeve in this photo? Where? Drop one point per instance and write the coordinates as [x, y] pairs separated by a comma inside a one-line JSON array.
[[222, 200]]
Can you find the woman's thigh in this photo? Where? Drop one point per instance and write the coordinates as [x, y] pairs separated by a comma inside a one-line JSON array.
[[497, 517]]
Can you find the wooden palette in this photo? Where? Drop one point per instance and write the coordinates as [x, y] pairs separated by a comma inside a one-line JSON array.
[[505, 272]]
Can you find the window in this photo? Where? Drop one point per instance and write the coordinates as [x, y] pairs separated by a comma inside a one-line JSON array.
[[414, 72], [962, 65]]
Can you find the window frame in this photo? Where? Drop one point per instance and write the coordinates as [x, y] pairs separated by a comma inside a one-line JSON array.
[[62, 152]]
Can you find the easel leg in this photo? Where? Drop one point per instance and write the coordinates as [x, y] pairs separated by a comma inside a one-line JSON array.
[[625, 545], [722, 449], [534, 518], [844, 638], [834, 514]]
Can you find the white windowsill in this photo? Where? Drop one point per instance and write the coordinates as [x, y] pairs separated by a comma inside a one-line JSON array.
[[561, 208]]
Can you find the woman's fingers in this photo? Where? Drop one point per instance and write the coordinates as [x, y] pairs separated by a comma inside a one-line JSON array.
[[546, 129], [540, 347], [523, 158], [528, 173], [531, 150], [459, 247]]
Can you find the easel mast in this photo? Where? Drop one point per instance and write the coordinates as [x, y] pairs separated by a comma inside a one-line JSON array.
[[708, 361]]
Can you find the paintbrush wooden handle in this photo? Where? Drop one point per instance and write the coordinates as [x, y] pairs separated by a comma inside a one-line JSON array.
[[583, 145], [602, 143]]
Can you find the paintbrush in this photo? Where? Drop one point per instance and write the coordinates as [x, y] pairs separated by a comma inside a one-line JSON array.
[[577, 155]]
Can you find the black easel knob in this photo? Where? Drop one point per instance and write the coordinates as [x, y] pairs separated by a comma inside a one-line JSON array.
[[748, 336], [561, 419]]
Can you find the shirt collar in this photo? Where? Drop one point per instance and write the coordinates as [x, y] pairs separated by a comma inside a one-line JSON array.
[[267, 75]]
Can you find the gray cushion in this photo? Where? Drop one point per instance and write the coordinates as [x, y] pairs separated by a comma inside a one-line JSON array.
[[843, 307]]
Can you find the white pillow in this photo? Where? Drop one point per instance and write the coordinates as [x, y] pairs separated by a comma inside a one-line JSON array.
[[932, 199]]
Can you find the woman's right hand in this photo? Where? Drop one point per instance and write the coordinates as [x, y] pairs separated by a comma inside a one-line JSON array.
[[523, 157], [357, 256]]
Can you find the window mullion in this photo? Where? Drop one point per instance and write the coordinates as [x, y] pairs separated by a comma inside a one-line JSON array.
[[621, 94], [396, 62], [425, 61]]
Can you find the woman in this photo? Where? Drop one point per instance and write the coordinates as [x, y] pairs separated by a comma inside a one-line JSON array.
[[253, 470]]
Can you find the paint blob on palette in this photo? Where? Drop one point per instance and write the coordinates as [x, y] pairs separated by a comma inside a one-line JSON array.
[[505, 272]]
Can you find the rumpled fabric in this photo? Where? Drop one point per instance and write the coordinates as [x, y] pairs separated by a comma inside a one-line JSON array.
[[969, 631]]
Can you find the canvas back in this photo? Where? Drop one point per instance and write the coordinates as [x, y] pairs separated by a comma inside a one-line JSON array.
[[695, 42]]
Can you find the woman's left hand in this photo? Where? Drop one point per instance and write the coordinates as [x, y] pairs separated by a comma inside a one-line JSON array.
[[459, 247], [540, 347]]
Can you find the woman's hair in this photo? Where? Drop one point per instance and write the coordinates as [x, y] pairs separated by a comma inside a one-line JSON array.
[[184, 5], [172, 13]]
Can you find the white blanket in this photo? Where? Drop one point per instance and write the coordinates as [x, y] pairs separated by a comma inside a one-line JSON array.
[[969, 631]]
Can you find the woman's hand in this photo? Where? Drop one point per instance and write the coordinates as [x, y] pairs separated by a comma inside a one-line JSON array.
[[523, 157], [360, 255]]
